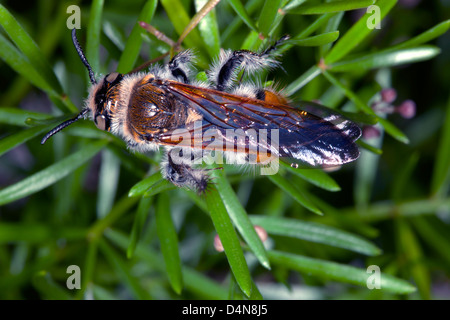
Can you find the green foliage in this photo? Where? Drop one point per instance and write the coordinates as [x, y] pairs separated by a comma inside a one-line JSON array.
[[83, 199]]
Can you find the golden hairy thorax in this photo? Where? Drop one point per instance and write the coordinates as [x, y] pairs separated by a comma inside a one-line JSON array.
[[151, 110]]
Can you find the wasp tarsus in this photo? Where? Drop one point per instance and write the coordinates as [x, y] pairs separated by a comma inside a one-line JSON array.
[[182, 174]]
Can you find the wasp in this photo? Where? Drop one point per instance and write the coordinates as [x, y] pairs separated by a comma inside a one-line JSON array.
[[148, 110]]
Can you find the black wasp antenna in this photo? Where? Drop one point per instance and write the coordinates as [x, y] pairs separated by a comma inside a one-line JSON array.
[[93, 81], [82, 56], [63, 125]]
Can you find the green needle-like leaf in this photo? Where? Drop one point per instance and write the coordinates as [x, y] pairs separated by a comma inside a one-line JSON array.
[[441, 172], [38, 233], [412, 252], [150, 186], [327, 270], [357, 33], [242, 13], [168, 240], [16, 60], [124, 271], [107, 186], [295, 193], [327, 7], [315, 176], [194, 281], [180, 19], [268, 14], [141, 215], [424, 37], [17, 117], [251, 6], [230, 242], [393, 131], [134, 41], [369, 147], [88, 268], [23, 136], [93, 34], [161, 186], [209, 30], [318, 40], [332, 25], [316, 233], [319, 22], [29, 48], [303, 80], [51, 174], [239, 217], [142, 186], [386, 58]]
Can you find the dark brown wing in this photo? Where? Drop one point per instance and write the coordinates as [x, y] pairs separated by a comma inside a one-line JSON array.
[[310, 134]]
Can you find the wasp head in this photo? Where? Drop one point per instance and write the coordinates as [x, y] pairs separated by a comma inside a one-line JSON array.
[[99, 102], [102, 97]]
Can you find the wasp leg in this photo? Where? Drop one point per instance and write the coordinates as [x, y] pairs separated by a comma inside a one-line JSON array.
[[180, 172], [180, 67], [273, 47], [223, 73]]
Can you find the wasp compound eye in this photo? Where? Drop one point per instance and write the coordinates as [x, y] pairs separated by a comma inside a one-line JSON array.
[[100, 122], [110, 78]]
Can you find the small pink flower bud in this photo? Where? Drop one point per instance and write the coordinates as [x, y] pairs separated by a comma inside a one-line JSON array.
[[388, 95], [218, 244], [407, 109], [262, 233]]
